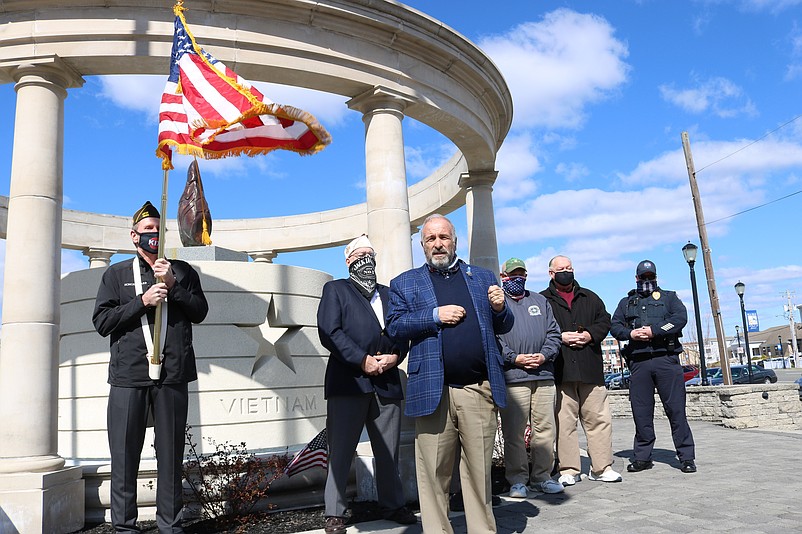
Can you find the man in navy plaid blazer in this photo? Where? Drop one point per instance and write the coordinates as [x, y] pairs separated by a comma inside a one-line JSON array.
[[451, 313]]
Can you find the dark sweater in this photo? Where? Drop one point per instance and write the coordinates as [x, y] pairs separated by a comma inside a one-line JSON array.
[[463, 352]]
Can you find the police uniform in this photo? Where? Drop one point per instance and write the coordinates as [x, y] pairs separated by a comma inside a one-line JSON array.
[[655, 363]]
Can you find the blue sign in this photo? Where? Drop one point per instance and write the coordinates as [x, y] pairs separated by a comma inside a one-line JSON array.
[[752, 324]]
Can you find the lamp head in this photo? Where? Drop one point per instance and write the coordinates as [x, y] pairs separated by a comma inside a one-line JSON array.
[[740, 288], [689, 251]]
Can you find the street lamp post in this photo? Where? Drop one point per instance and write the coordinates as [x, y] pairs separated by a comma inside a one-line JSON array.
[[740, 288], [780, 349], [740, 353], [689, 251]]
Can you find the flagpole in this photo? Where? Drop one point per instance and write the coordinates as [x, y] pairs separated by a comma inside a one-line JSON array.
[[155, 358]]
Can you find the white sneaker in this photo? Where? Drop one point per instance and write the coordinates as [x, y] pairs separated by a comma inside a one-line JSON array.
[[608, 476], [567, 480], [548, 486], [518, 491]]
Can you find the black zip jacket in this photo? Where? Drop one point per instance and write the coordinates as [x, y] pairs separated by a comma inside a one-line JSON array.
[[117, 314], [587, 311]]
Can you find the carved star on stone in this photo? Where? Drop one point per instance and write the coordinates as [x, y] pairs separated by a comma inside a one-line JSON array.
[[271, 345]]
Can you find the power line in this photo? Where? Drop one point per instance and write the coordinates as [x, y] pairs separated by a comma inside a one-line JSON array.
[[749, 144], [754, 207]]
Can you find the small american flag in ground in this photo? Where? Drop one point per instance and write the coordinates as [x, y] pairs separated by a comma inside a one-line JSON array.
[[208, 111], [315, 454]]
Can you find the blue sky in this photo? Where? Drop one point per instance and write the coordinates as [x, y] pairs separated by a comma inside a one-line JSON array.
[[593, 166]]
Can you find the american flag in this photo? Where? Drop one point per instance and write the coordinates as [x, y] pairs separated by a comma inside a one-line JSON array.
[[315, 454], [208, 111]]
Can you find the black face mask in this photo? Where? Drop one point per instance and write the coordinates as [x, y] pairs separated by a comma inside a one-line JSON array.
[[149, 241], [363, 274], [564, 278]]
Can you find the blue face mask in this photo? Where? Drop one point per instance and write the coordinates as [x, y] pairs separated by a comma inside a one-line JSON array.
[[514, 286]]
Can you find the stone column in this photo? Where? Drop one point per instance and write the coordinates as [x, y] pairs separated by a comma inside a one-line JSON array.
[[482, 245], [30, 494], [386, 179], [99, 258], [389, 232], [263, 256]]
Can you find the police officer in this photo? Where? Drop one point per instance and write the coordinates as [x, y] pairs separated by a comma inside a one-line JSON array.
[[650, 320]]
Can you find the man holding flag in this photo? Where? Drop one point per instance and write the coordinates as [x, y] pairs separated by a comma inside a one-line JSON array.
[[125, 308]]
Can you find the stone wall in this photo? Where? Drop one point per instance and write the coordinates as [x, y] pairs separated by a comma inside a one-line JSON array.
[[769, 406]]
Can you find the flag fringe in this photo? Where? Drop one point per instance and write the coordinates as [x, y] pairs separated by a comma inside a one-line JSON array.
[[190, 150]]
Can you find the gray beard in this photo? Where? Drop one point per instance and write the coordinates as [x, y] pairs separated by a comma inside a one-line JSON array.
[[442, 265]]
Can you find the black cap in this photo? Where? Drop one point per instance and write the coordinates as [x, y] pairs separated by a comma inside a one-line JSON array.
[[147, 210], [646, 266]]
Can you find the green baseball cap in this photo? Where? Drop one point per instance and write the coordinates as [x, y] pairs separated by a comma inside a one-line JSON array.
[[512, 264]]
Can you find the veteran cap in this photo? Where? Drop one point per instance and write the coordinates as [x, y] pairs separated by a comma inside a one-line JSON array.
[[147, 210], [646, 266], [512, 264], [360, 242]]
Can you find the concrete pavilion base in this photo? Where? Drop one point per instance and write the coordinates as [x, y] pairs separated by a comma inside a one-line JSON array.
[[48, 502]]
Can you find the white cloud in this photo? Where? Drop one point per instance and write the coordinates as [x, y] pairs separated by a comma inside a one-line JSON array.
[[559, 65], [421, 161], [73, 260], [134, 93], [720, 161], [517, 164], [718, 95], [773, 6], [793, 72], [651, 208], [572, 172]]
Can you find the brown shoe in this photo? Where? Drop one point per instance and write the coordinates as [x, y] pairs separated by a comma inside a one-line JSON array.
[[335, 525]]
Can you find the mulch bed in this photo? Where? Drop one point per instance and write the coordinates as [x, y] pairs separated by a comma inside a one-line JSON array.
[[285, 521], [281, 522]]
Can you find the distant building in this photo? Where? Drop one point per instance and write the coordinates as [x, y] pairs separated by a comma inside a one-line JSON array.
[[611, 355], [766, 343]]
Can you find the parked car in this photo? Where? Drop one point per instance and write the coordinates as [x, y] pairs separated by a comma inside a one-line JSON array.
[[714, 378], [608, 377], [740, 375], [798, 382], [617, 383], [690, 371]]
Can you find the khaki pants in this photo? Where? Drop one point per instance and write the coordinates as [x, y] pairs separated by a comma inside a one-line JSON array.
[[531, 402], [587, 403], [465, 416]]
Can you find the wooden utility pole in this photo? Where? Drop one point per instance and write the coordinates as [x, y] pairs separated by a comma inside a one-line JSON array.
[[724, 358]]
